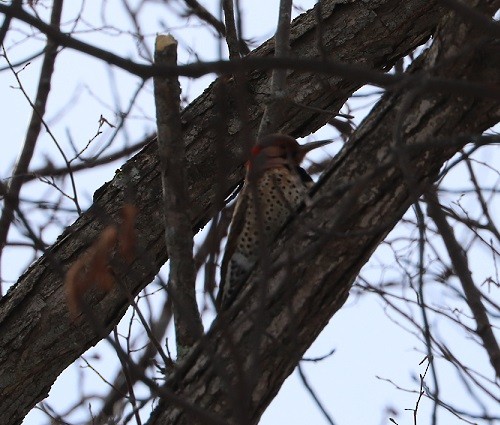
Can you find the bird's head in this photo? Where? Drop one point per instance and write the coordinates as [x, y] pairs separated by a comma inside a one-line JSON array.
[[279, 150]]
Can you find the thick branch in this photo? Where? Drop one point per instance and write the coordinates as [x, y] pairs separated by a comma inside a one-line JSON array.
[[34, 351], [361, 197]]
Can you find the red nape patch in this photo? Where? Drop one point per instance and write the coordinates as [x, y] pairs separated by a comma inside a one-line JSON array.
[[256, 150]]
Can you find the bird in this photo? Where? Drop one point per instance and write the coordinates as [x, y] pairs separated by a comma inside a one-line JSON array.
[[275, 185]]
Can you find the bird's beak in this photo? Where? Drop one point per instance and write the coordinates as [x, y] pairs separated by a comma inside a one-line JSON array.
[[313, 145]]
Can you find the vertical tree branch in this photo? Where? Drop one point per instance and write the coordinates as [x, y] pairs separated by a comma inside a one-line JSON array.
[[426, 327], [236, 46], [273, 112], [472, 294], [178, 229], [11, 199]]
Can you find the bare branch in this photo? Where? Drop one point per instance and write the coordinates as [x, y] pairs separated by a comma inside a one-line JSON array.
[[235, 44], [472, 294], [89, 163], [178, 230], [273, 113], [426, 328], [310, 390], [202, 13], [351, 72], [129, 381], [6, 21], [120, 385], [35, 125]]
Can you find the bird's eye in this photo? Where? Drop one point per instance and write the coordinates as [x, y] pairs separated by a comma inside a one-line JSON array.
[[256, 150]]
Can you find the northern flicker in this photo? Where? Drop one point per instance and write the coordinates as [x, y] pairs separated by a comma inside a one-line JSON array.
[[273, 174]]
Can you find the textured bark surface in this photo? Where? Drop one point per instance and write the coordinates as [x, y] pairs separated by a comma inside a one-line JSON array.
[[39, 339], [370, 185]]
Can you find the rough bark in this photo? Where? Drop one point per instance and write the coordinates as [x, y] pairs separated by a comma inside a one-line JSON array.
[[38, 338], [388, 163]]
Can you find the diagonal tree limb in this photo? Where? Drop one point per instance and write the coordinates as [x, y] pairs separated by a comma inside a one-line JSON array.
[[361, 197], [37, 337], [204, 15]]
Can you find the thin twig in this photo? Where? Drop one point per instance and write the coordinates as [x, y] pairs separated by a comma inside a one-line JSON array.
[[320, 358], [484, 206], [314, 396], [89, 163], [426, 328], [11, 200], [421, 392], [472, 294], [67, 162], [129, 381], [202, 13], [119, 387], [137, 374]]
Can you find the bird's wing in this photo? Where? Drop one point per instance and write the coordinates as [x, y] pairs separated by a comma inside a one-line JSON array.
[[237, 223]]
